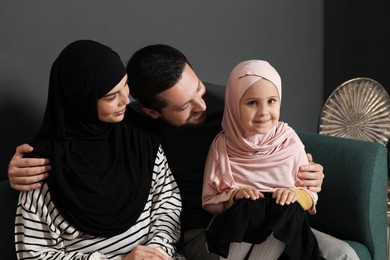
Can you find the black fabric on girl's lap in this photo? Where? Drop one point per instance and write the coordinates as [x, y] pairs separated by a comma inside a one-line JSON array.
[[253, 221]]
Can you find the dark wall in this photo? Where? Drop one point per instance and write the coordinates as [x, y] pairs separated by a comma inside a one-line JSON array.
[[356, 43], [215, 35]]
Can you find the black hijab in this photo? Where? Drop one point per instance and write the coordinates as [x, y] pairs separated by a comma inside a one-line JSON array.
[[102, 172]]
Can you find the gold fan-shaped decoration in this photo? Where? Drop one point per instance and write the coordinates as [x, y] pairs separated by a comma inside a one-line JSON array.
[[357, 109]]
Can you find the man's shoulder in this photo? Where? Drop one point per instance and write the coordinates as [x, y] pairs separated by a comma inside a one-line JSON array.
[[216, 89], [215, 96], [137, 117]]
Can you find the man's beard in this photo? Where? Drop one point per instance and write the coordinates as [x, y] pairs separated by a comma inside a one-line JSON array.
[[198, 121]]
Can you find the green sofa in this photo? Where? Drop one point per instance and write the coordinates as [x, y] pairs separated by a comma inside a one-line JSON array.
[[352, 204]]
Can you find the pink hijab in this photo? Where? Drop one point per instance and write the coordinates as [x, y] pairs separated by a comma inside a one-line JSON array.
[[237, 158]]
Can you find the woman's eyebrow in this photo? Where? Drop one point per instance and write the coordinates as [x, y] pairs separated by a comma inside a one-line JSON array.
[[111, 94]]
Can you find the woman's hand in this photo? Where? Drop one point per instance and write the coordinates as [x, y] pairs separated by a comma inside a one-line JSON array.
[[146, 253]]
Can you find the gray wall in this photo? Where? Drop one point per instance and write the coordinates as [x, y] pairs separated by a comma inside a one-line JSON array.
[[215, 36]]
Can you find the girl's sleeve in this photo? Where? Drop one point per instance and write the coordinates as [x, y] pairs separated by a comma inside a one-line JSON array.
[[304, 198], [216, 192], [301, 159], [36, 235], [166, 208]]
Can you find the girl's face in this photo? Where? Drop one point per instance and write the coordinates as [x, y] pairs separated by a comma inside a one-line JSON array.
[[260, 107], [112, 107]]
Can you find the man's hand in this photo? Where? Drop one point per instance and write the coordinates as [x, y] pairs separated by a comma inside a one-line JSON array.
[[311, 176], [26, 174]]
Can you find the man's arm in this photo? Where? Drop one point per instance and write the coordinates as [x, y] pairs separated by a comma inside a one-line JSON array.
[[311, 176], [26, 174]]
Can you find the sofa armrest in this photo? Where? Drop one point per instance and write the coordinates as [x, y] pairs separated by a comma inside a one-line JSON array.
[[352, 204]]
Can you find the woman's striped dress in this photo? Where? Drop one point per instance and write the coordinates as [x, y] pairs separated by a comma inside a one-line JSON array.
[[42, 233]]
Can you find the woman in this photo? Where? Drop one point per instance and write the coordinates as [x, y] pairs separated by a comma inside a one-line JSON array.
[[111, 194]]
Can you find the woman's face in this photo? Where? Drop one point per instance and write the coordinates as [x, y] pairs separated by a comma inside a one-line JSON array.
[[112, 107]]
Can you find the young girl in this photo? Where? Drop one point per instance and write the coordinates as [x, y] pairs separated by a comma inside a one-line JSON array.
[[251, 170], [110, 194]]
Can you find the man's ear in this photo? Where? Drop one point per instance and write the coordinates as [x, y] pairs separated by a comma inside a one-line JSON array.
[[151, 112]]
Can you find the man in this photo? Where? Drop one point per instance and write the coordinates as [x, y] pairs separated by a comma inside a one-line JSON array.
[[187, 116]]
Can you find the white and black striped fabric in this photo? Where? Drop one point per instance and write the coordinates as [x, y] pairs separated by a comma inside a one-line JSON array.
[[42, 233]]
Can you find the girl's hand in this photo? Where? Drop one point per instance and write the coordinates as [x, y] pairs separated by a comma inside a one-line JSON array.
[[248, 193], [284, 196]]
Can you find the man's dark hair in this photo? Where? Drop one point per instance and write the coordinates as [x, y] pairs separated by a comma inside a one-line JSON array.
[[153, 69]]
